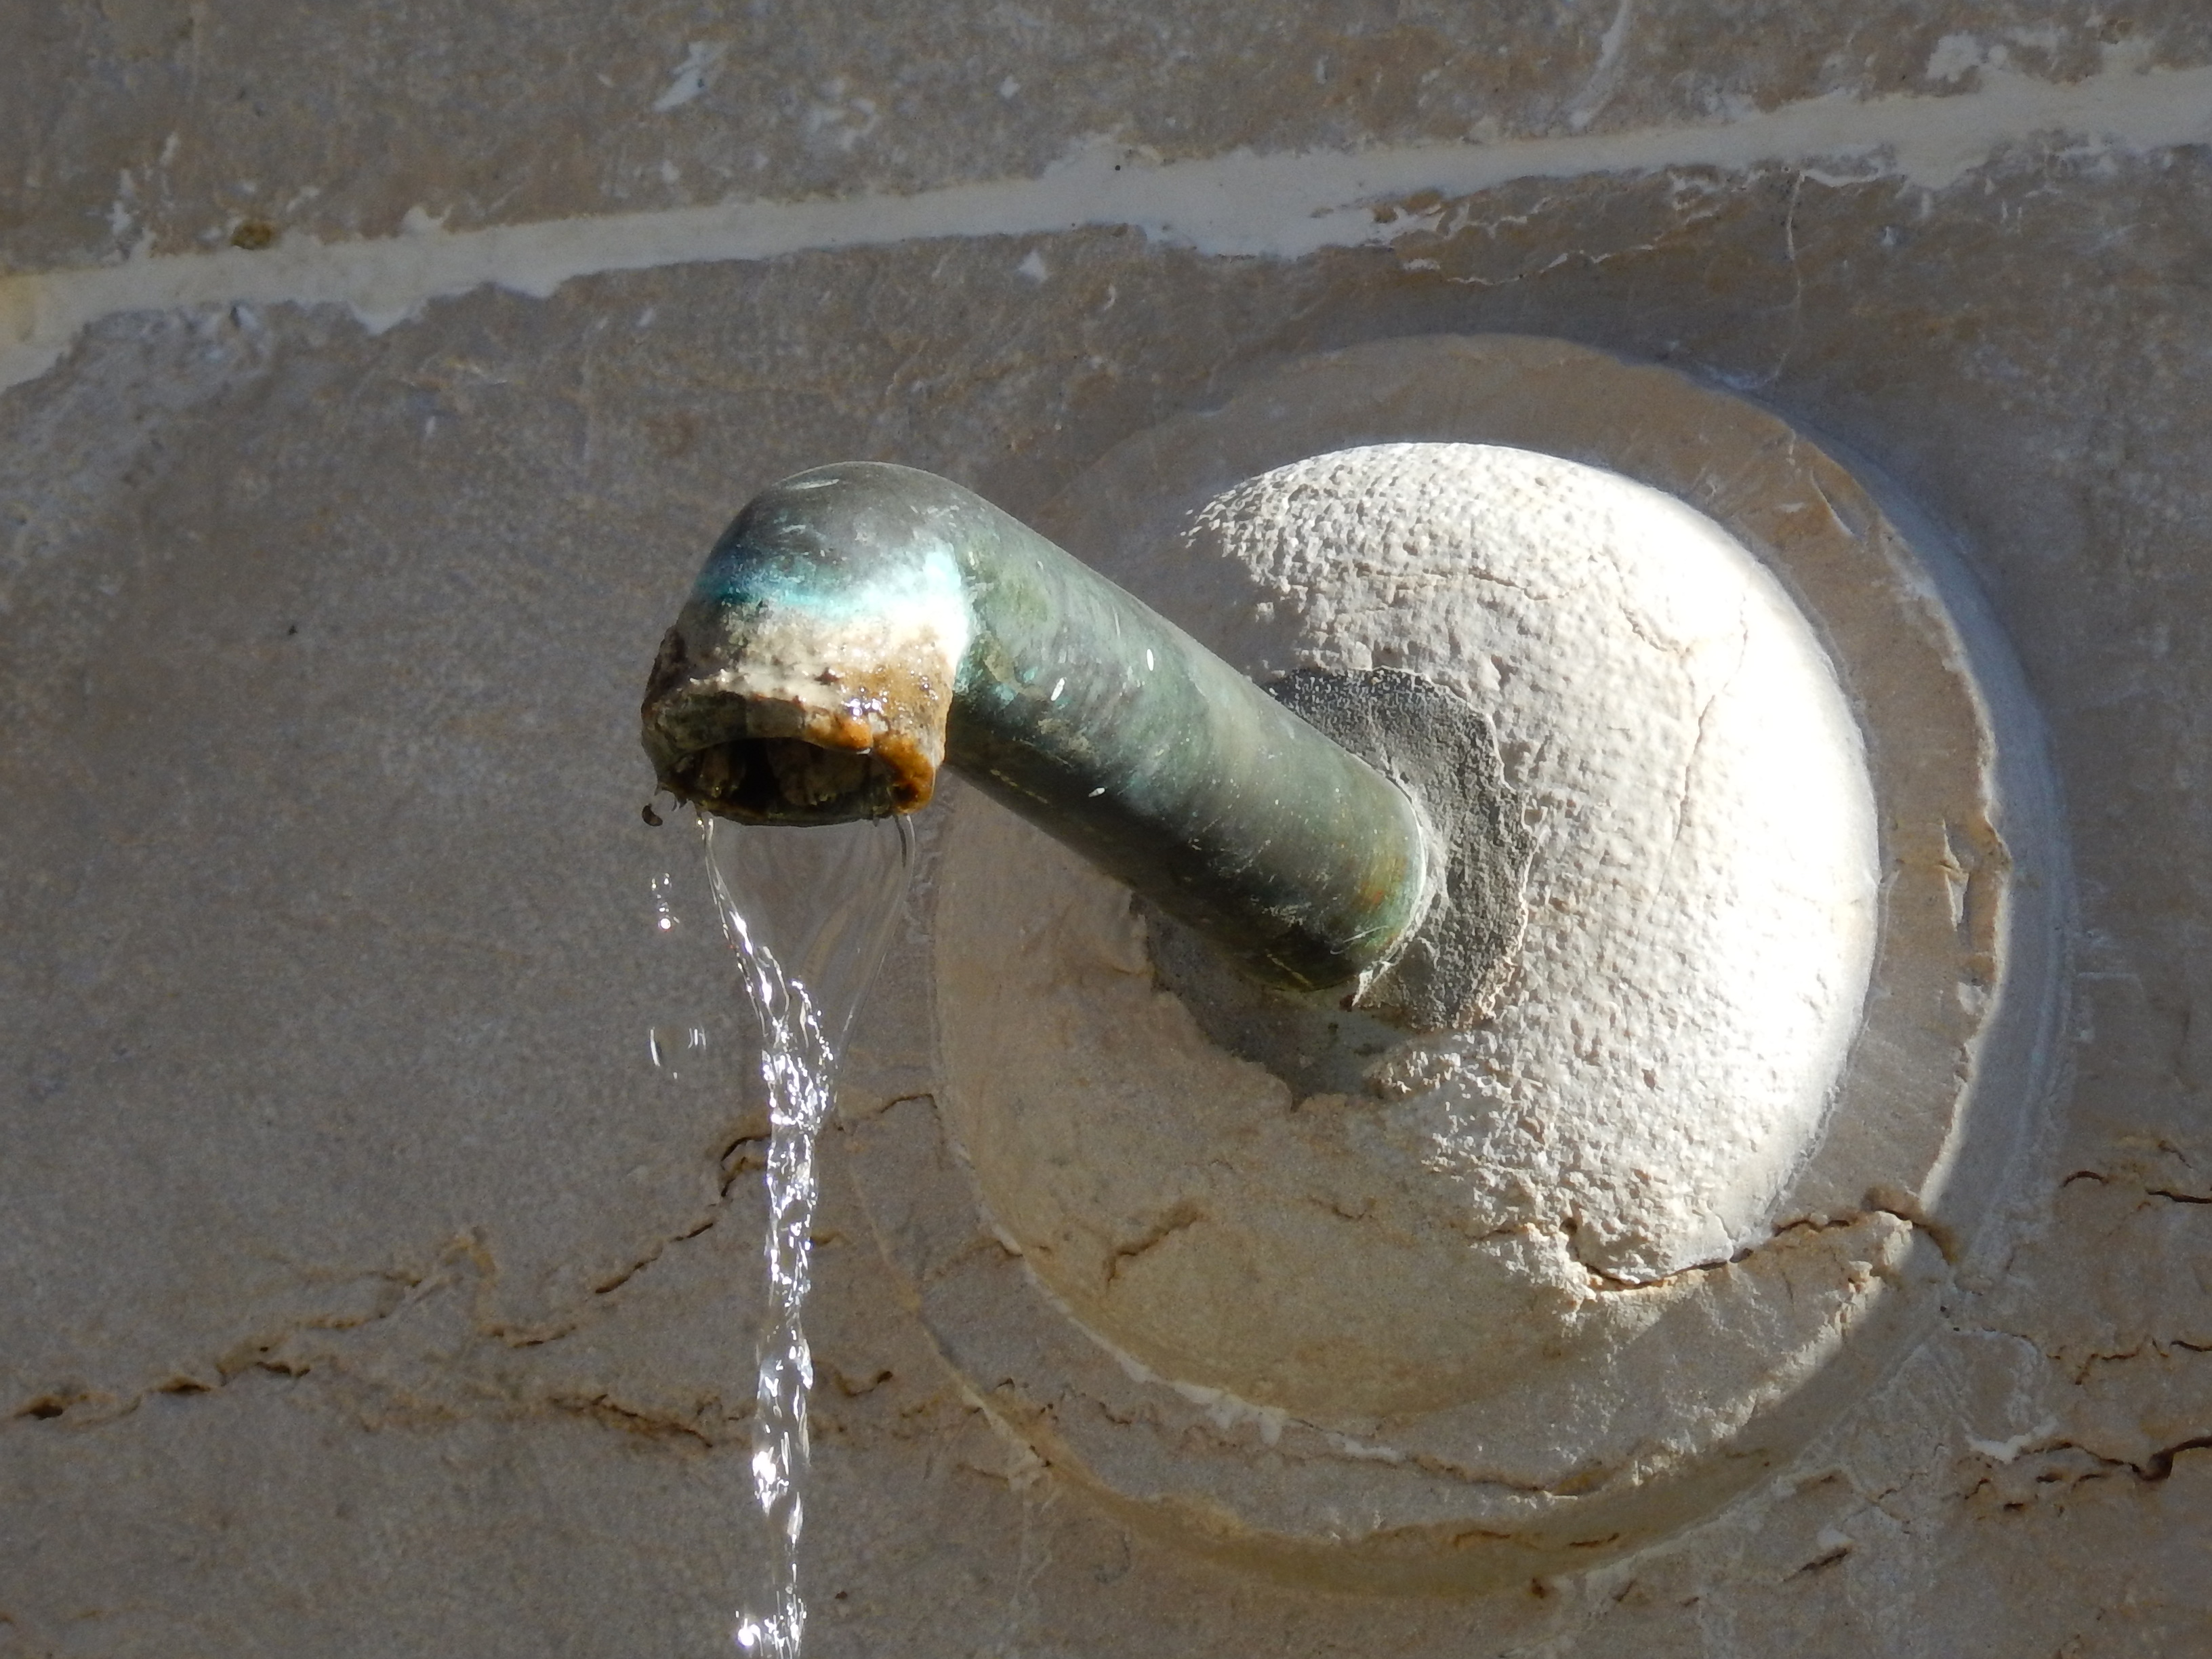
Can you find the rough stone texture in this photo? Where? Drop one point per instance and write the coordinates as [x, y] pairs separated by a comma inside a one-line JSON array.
[[1673, 719], [178, 126], [1661, 1064], [329, 1129]]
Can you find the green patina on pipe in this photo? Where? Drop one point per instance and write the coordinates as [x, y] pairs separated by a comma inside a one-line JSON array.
[[860, 625]]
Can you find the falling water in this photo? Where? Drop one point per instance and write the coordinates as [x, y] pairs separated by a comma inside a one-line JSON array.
[[808, 912]]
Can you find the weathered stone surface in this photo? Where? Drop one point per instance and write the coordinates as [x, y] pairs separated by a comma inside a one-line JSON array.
[[167, 125], [322, 990]]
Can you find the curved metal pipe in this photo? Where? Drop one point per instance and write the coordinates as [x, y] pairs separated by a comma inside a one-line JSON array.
[[860, 625]]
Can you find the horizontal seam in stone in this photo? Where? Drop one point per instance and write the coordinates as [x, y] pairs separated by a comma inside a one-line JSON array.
[[1283, 205]]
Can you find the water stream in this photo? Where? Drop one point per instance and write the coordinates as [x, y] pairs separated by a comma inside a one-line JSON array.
[[808, 912]]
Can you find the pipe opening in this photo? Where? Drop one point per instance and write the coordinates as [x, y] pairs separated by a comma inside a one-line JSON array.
[[830, 756], [785, 780]]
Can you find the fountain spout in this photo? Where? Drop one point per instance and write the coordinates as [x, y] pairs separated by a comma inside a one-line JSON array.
[[860, 625]]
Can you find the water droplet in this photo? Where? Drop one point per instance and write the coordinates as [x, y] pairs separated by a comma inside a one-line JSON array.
[[674, 1045], [664, 919]]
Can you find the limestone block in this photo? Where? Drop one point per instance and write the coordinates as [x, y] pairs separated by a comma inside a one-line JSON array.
[[262, 1075]]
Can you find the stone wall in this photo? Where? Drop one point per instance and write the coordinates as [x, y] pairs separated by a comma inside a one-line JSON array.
[[376, 381]]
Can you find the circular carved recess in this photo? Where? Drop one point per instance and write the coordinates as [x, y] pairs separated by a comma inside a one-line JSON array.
[[1561, 1272]]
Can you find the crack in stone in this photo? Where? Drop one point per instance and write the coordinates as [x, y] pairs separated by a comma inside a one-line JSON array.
[[1606, 1284], [332, 1371], [465, 1263], [659, 1426], [2159, 1348], [2156, 1468], [402, 1288], [1418, 246], [1889, 1201], [1819, 1562], [615, 1281], [1181, 1219]]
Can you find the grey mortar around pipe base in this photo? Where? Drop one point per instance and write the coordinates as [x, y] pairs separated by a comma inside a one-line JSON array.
[[859, 625]]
